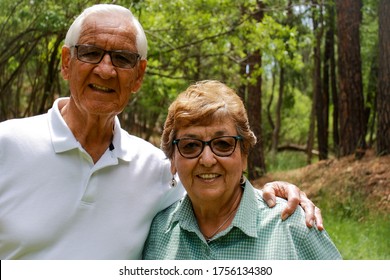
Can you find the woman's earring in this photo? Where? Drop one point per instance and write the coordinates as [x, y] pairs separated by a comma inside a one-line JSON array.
[[242, 180], [173, 182]]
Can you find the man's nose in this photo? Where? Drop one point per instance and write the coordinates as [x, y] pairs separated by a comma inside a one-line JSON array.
[[105, 68]]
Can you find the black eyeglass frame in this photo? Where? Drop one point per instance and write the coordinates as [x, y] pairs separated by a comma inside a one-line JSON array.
[[208, 143], [110, 52]]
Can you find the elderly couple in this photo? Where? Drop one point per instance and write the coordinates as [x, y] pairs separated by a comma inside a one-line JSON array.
[[74, 185]]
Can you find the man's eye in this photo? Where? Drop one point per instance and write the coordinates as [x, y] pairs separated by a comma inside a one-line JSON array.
[[122, 58], [91, 54]]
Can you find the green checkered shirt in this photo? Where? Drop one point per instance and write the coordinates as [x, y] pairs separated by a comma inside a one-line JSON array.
[[257, 232]]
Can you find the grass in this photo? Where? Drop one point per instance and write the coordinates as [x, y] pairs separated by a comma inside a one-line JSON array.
[[357, 225], [358, 232], [285, 161], [360, 240]]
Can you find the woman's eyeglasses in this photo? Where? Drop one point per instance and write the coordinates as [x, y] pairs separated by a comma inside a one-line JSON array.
[[222, 146], [119, 58]]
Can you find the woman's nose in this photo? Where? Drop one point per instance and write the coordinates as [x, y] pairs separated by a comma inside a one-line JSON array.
[[207, 157]]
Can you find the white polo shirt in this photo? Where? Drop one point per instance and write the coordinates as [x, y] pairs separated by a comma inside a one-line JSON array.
[[55, 203]]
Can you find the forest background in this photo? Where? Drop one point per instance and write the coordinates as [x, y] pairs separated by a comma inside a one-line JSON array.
[[314, 75]]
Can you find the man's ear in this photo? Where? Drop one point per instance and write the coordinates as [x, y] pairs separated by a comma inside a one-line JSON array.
[[141, 68], [65, 62]]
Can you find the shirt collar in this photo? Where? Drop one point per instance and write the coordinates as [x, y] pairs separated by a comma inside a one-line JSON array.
[[245, 218], [183, 214], [63, 139]]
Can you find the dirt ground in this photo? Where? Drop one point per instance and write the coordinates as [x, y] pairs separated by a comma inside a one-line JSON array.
[[370, 176]]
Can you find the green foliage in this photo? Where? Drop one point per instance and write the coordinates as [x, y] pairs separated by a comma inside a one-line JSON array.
[[296, 119], [279, 43], [285, 161], [370, 49], [188, 41]]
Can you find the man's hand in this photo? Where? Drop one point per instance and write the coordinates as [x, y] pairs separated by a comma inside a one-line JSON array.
[[294, 197]]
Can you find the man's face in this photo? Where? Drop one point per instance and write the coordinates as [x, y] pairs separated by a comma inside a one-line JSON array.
[[103, 89]]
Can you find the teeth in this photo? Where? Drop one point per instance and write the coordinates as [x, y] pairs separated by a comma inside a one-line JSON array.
[[208, 176], [101, 88]]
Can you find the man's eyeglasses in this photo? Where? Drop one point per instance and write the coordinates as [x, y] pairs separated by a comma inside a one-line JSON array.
[[222, 146], [119, 58]]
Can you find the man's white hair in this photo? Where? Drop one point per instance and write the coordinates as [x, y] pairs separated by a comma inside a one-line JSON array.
[[74, 31]]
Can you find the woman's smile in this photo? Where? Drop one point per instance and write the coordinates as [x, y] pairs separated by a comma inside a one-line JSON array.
[[208, 176]]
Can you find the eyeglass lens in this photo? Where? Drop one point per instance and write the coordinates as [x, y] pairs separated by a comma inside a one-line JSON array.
[[119, 58], [221, 146]]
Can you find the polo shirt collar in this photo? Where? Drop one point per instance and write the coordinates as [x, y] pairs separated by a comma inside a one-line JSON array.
[[245, 218], [63, 139]]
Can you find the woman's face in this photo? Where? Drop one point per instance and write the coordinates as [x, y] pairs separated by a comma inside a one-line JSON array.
[[209, 177]]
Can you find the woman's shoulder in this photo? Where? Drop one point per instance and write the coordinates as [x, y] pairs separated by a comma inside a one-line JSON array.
[[275, 212], [165, 216]]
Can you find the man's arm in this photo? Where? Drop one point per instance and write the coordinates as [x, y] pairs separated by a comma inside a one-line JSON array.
[[294, 197]]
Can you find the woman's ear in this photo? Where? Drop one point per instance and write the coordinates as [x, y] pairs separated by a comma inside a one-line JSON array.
[[244, 163], [173, 168]]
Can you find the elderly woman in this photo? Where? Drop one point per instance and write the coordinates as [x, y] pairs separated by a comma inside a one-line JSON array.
[[207, 139]]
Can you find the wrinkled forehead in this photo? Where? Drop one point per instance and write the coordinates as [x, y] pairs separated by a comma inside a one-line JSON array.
[[105, 29]]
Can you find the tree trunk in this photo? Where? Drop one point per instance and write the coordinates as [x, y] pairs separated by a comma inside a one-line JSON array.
[[256, 161], [271, 99], [278, 113], [310, 137], [51, 75], [242, 88], [322, 99], [333, 82], [383, 100], [372, 93], [352, 120]]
